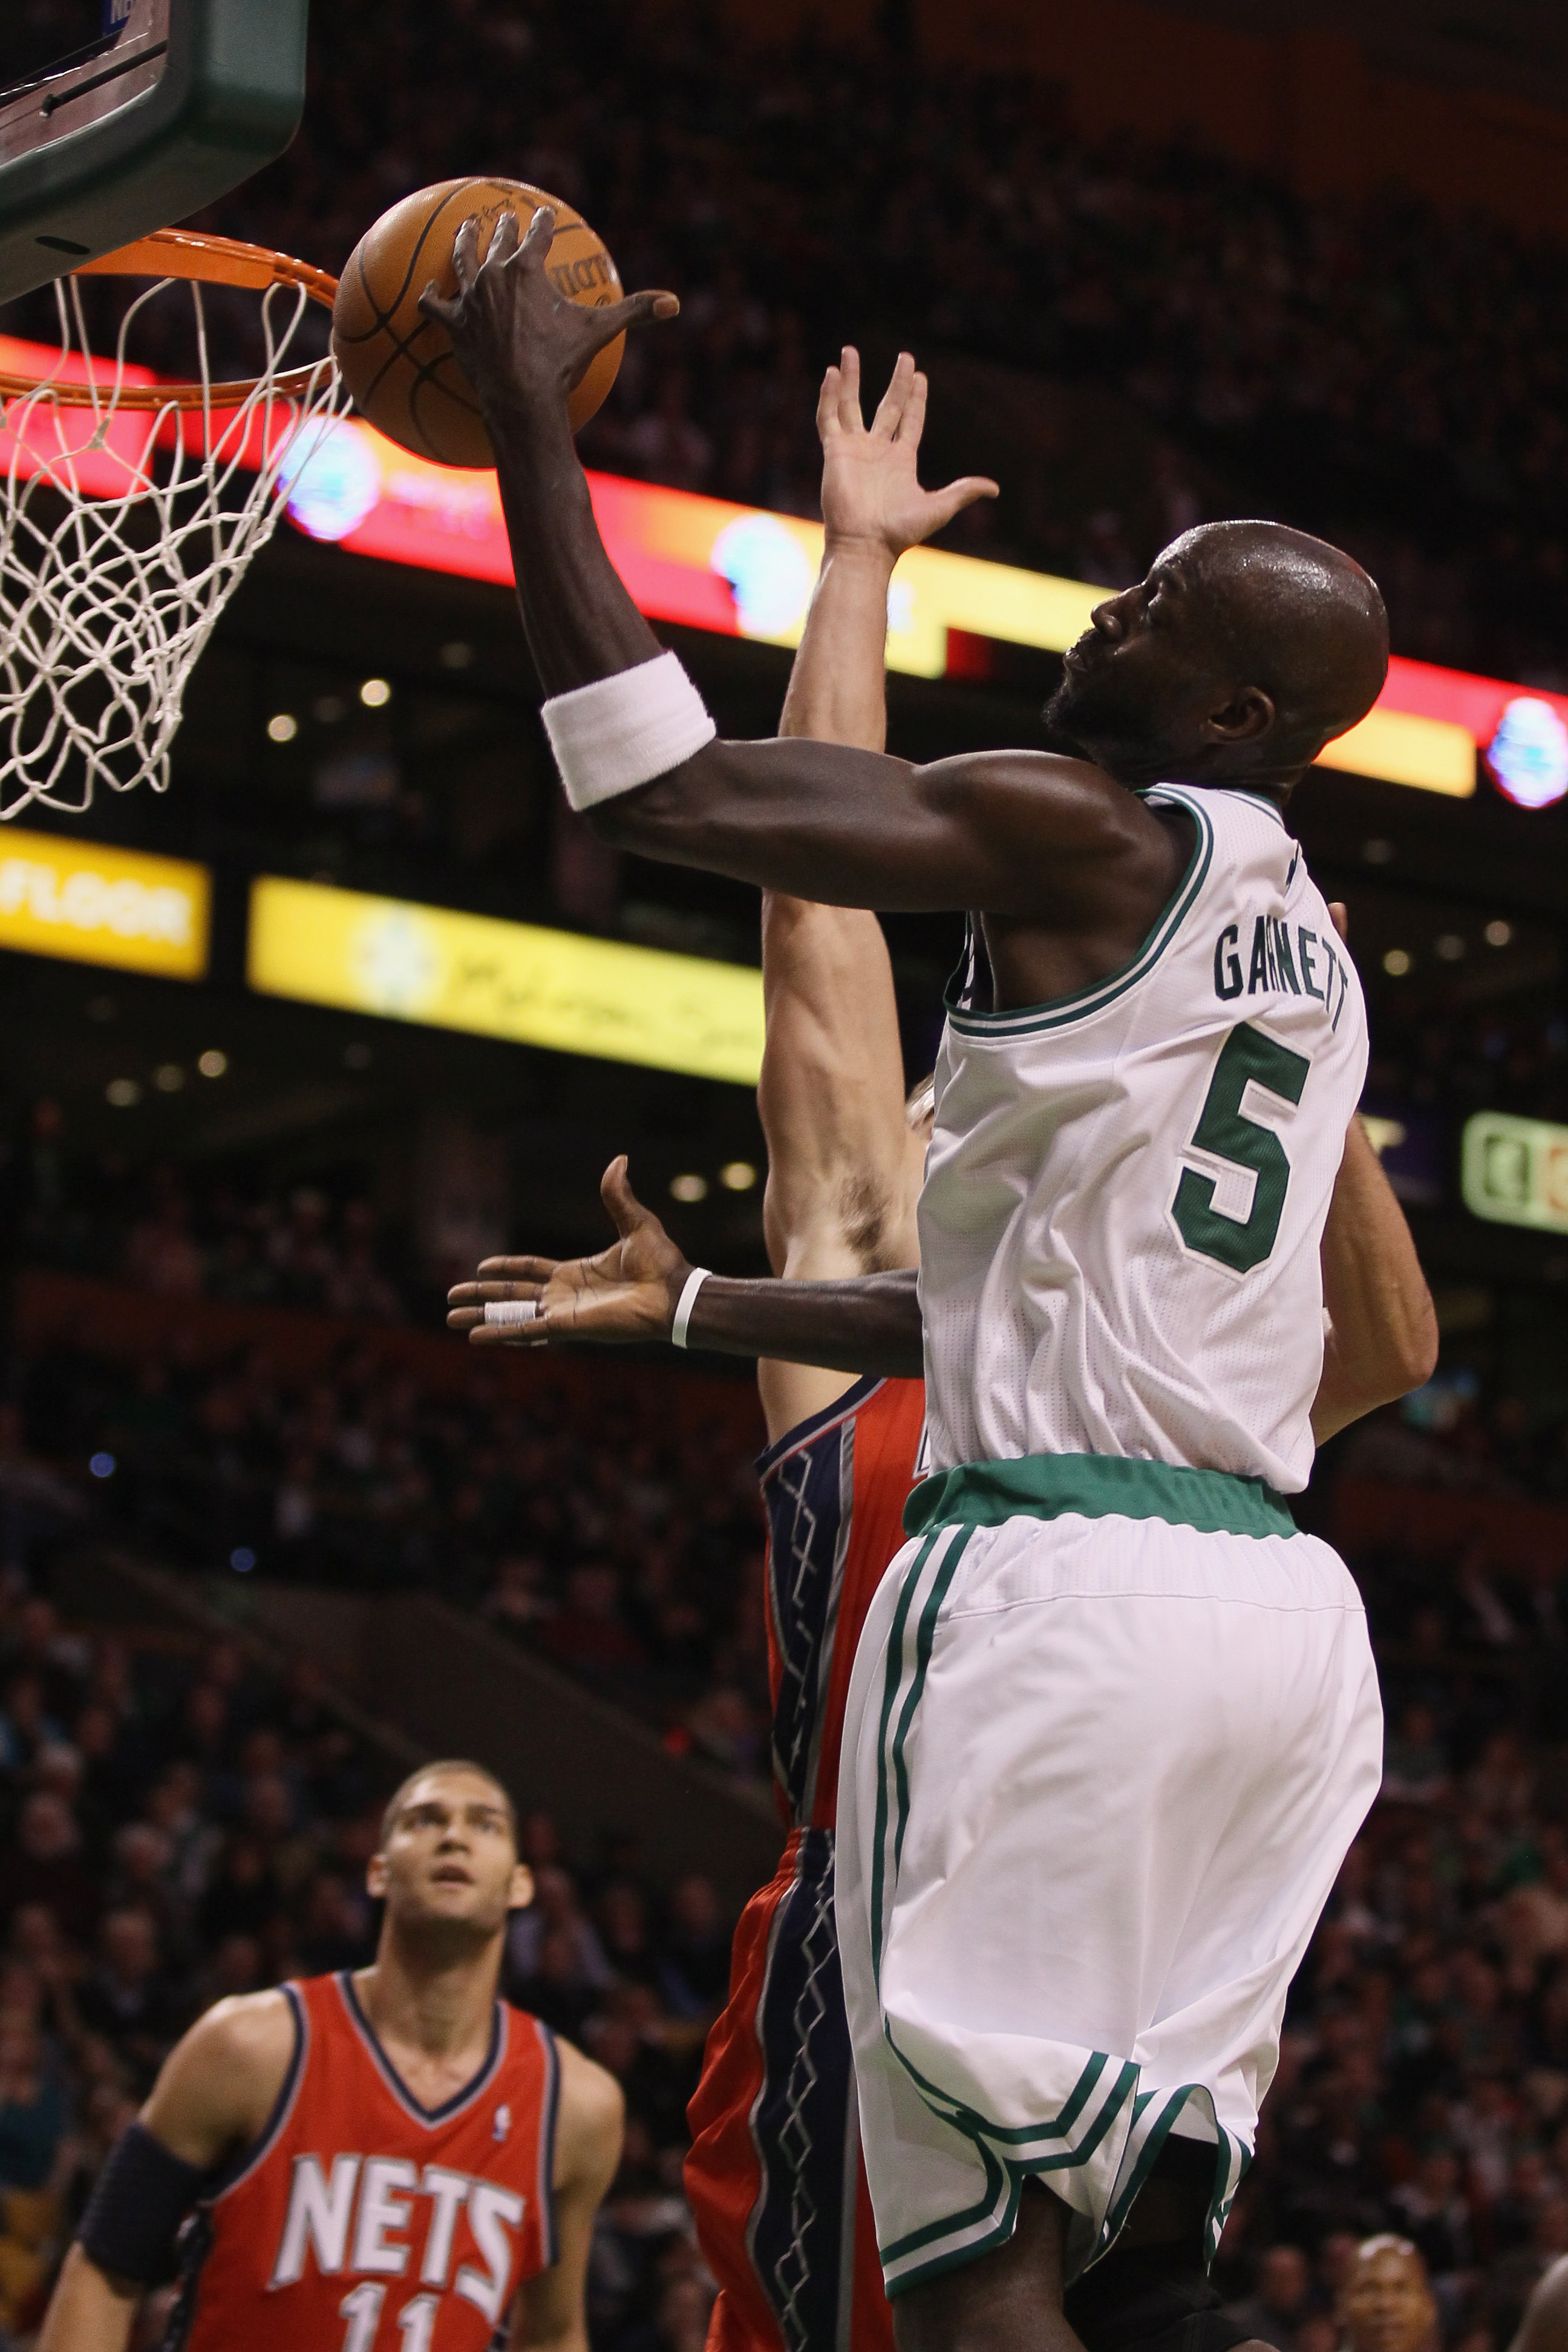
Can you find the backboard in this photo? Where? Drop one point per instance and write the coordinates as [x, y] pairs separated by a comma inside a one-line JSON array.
[[161, 108]]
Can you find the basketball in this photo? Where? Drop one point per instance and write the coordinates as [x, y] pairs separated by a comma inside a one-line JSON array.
[[399, 366]]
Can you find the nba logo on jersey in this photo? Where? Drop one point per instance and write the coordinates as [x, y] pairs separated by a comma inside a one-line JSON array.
[[502, 2123]]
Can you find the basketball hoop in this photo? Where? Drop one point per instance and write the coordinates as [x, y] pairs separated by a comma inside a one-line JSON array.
[[130, 510]]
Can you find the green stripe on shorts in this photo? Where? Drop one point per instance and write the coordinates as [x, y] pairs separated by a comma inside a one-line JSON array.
[[1096, 1486]]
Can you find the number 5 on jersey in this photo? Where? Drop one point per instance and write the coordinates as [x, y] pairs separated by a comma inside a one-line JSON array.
[[1224, 1132]]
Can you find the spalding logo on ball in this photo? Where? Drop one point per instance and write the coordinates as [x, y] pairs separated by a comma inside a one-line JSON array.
[[399, 366]]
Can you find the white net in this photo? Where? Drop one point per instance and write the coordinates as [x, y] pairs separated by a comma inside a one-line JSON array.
[[124, 530]]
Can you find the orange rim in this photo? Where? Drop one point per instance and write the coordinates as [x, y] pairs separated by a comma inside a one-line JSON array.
[[215, 261]]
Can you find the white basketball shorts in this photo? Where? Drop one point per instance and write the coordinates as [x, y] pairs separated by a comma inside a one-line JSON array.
[[1111, 1730]]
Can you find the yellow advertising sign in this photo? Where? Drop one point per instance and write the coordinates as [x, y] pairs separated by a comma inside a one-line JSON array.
[[91, 904], [515, 980]]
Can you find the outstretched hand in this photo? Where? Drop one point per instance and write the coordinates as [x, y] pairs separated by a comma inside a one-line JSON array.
[[629, 1292], [871, 486], [517, 338]]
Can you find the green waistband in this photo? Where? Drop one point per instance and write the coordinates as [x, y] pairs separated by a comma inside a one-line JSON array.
[[1097, 1487]]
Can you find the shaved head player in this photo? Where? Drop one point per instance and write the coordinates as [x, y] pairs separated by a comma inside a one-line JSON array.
[[393, 2161], [1113, 1719], [773, 2176]]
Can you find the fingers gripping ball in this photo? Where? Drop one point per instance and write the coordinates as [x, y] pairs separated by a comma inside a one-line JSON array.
[[400, 366]]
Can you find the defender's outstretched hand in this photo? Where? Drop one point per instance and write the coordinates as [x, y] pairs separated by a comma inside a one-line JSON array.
[[518, 341], [628, 1291], [871, 487]]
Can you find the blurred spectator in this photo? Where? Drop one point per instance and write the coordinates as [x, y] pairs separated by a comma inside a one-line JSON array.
[[1280, 2300], [1387, 2304], [46, 1867]]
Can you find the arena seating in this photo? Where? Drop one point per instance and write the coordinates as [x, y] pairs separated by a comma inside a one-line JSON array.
[[1380, 373]]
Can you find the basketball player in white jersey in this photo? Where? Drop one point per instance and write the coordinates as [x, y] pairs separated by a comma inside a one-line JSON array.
[[1113, 1721]]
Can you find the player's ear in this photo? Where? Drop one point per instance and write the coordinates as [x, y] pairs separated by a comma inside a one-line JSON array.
[[376, 1876], [522, 1895], [1249, 714]]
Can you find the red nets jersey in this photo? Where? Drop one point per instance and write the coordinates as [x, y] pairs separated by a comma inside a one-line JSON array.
[[362, 2221], [774, 2177]]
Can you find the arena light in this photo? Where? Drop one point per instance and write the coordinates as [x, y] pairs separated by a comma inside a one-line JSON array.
[[1514, 1171], [87, 903], [1528, 756], [319, 945]]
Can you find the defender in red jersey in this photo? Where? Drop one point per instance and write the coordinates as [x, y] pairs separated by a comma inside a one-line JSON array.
[[775, 2176], [393, 2161]]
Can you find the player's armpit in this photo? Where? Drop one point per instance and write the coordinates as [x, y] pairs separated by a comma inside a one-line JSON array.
[[839, 1192], [549, 2308]]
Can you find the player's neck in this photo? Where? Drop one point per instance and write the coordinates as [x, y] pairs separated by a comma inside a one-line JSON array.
[[435, 2000]]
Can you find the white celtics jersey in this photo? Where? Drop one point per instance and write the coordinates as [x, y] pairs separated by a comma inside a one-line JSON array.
[[1126, 1189]]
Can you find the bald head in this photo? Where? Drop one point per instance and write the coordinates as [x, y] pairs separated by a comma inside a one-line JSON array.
[[1248, 649]]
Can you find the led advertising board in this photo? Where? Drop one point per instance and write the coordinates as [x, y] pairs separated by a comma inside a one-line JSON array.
[[513, 980], [707, 563], [90, 904], [742, 572], [1514, 1171]]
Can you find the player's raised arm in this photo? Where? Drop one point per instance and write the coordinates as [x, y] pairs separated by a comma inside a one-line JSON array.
[[214, 2095], [1247, 649], [1025, 834], [844, 1161]]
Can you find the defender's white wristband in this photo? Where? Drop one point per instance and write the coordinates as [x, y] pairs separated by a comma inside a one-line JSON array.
[[622, 731], [511, 1311], [684, 1305]]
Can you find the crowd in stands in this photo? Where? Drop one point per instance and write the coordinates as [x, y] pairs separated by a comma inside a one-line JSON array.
[[180, 1823], [634, 1565], [181, 1236], [1378, 371], [1456, 1059]]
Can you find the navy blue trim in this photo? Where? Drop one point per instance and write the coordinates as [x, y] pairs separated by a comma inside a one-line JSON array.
[[551, 2116], [394, 2080], [240, 2167], [800, 2233], [860, 1392]]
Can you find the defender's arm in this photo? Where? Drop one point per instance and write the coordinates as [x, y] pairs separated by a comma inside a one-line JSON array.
[[843, 1165]]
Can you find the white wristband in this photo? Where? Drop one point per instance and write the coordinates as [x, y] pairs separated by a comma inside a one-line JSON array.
[[684, 1305], [511, 1311], [622, 732]]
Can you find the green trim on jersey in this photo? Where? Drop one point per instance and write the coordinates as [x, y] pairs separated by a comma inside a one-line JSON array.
[[1096, 1486], [1058, 1011]]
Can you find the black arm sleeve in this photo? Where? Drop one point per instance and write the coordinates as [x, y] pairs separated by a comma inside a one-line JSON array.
[[143, 2195]]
